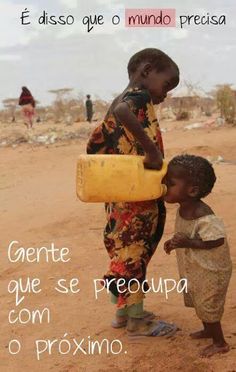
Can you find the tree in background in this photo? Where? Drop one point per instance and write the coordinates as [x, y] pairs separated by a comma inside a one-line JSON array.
[[60, 105], [10, 104], [226, 102]]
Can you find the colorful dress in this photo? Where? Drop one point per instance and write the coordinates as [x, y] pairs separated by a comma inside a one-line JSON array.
[[133, 230], [207, 271]]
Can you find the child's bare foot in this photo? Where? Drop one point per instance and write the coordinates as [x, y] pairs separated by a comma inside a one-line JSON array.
[[213, 349], [119, 322], [144, 328], [148, 315], [200, 334], [135, 324]]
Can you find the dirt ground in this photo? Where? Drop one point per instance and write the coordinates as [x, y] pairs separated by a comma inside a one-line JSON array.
[[39, 206]]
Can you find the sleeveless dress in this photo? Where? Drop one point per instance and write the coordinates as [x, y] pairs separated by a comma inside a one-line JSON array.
[[207, 271], [133, 230]]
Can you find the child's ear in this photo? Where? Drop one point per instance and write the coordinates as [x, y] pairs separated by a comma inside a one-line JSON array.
[[146, 69], [193, 191]]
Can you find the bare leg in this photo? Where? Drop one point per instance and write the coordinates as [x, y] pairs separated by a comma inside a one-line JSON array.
[[137, 317], [31, 123], [204, 333], [219, 344]]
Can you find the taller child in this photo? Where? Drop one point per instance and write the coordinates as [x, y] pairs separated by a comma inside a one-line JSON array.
[[130, 127]]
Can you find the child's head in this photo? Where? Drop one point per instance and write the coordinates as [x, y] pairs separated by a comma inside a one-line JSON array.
[[155, 71], [189, 177], [88, 96]]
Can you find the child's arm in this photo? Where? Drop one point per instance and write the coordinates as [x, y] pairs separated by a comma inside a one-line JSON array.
[[167, 246], [180, 240], [153, 158]]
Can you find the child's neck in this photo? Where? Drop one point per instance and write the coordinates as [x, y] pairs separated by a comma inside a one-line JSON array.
[[194, 208], [136, 82]]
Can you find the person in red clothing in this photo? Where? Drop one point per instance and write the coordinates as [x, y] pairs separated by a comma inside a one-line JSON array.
[[27, 102]]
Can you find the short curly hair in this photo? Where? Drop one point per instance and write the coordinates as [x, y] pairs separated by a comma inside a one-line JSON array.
[[155, 57], [198, 170]]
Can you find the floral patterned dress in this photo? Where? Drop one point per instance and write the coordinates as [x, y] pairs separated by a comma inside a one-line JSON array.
[[133, 230]]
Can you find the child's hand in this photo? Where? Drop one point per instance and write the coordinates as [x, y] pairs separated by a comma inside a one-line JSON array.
[[168, 246], [180, 240], [153, 160]]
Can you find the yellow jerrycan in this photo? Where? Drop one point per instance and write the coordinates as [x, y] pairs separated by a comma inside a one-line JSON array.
[[117, 178]]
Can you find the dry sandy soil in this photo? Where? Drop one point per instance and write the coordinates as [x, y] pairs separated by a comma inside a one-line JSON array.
[[39, 206]]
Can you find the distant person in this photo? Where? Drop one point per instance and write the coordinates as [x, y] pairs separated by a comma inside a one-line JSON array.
[[27, 102], [89, 108]]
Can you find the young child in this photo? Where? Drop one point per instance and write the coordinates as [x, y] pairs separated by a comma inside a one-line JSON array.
[[201, 246], [133, 230], [27, 102]]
